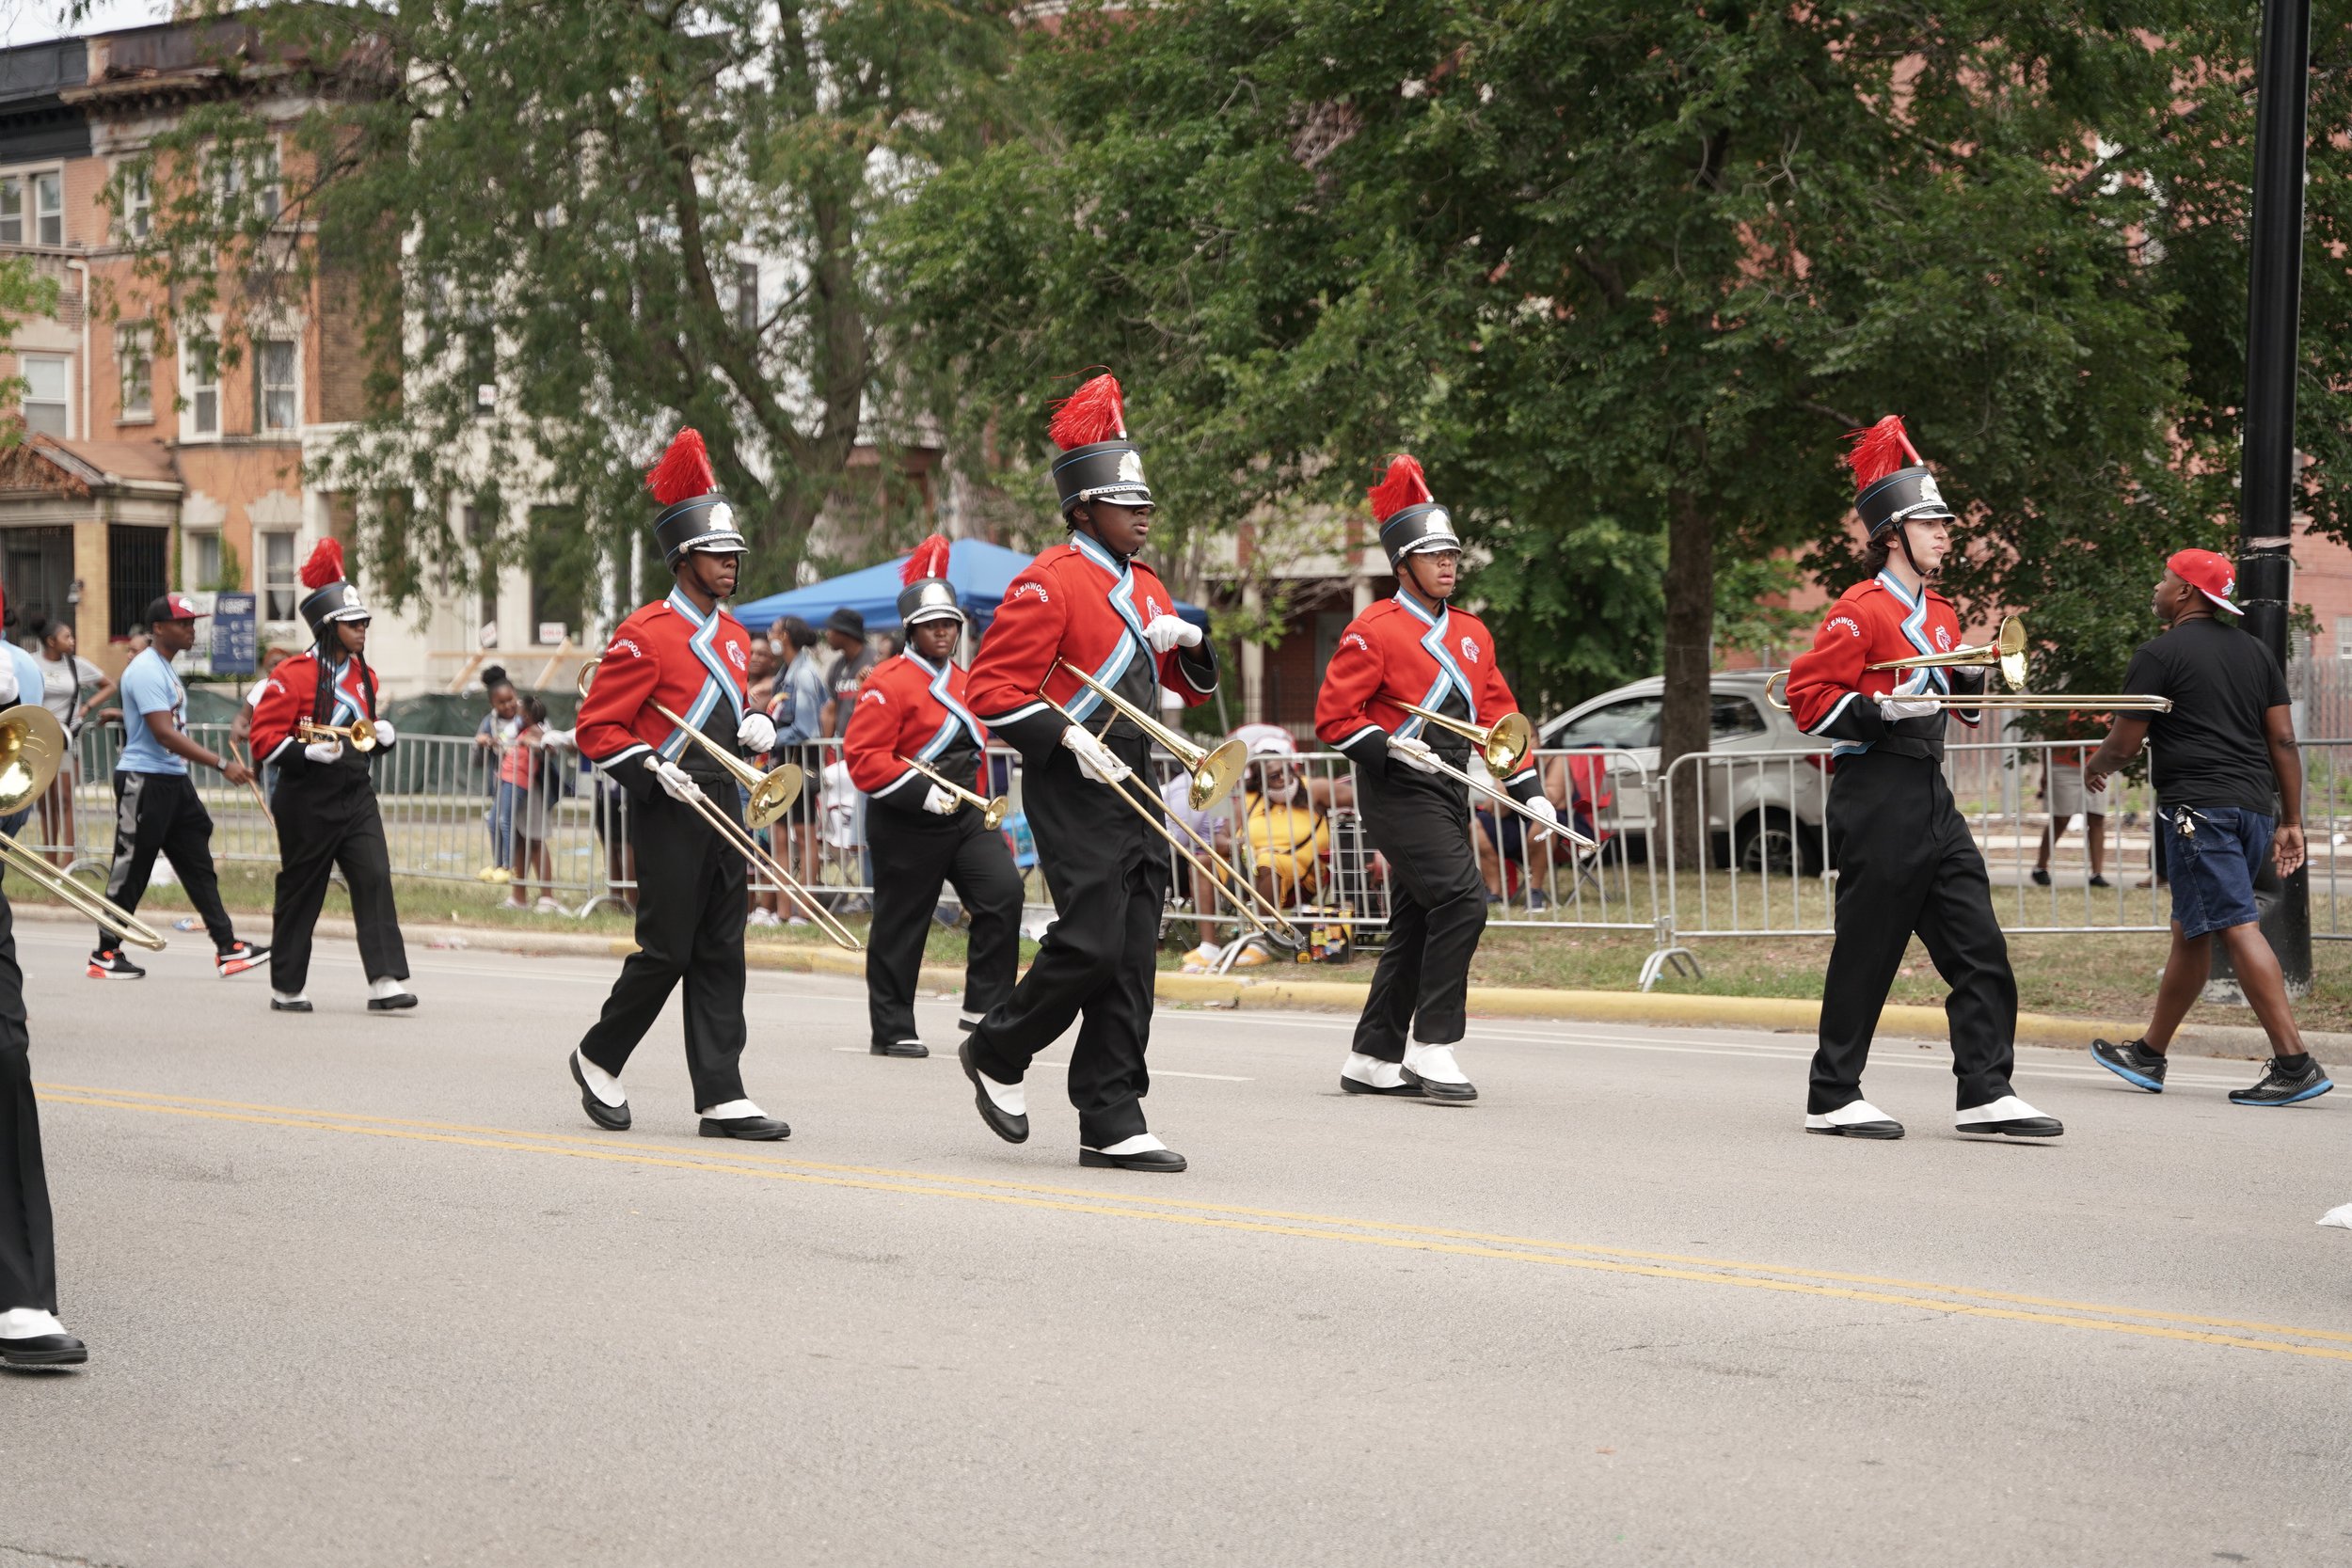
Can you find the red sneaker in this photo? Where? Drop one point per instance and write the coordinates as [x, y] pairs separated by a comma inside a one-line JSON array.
[[237, 958]]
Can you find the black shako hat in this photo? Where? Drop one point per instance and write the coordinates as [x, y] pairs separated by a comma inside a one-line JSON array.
[[1891, 489], [329, 598], [928, 595], [1097, 461], [694, 516], [1410, 518]]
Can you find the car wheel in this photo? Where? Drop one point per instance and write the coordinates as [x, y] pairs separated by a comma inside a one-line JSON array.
[[1770, 841]]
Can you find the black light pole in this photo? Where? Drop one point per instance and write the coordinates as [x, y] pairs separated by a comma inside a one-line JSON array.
[[2273, 319]]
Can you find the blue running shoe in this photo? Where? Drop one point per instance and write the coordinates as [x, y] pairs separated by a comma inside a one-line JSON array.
[[2133, 1062], [2281, 1089]]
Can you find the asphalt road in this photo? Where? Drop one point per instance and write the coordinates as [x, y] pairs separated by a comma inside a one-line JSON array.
[[371, 1291]]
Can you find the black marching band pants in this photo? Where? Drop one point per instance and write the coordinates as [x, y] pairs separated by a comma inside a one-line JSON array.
[[913, 852], [162, 812], [28, 1247], [1907, 863], [329, 817], [689, 927], [1109, 877], [1437, 910]]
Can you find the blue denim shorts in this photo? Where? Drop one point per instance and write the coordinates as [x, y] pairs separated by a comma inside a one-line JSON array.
[[2212, 854]]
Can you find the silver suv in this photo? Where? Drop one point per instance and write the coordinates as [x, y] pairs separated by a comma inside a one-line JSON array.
[[1764, 816]]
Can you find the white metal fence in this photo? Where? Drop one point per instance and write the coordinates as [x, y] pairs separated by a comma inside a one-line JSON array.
[[554, 834]]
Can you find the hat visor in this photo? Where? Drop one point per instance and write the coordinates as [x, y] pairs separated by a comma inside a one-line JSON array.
[[2218, 600], [1117, 494], [1431, 542], [719, 544], [936, 612], [351, 613]]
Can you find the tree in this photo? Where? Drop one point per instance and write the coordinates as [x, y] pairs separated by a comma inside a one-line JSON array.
[[1623, 275], [623, 216]]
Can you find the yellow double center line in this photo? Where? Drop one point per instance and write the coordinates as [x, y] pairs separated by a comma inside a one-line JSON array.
[[739, 1159]]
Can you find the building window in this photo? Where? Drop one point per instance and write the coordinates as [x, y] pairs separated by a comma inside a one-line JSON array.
[[134, 351], [258, 168], [45, 195], [203, 566], [747, 296], [49, 207], [278, 586], [561, 553], [276, 395], [199, 377], [46, 408], [2343, 636], [138, 205]]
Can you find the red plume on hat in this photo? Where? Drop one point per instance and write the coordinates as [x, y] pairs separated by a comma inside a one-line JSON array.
[[1403, 486], [684, 471], [325, 564], [1095, 412], [930, 559], [1877, 451]]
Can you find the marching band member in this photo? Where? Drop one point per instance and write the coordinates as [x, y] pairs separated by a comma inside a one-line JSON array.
[[1905, 859], [686, 654], [912, 708], [1090, 602], [1415, 648], [324, 801]]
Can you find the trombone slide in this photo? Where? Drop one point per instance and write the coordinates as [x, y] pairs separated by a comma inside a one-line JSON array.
[[992, 811]]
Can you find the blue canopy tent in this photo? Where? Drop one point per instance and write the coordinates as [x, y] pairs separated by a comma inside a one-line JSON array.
[[980, 572]]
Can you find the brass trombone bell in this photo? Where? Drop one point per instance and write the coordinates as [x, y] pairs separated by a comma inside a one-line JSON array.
[[1501, 744], [359, 732], [32, 749], [2007, 650], [772, 793], [1215, 769]]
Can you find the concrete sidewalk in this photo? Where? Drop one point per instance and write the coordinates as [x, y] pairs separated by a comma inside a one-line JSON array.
[[1283, 990]]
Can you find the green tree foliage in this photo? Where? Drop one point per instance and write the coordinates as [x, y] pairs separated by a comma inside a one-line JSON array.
[[1623, 275], [626, 216]]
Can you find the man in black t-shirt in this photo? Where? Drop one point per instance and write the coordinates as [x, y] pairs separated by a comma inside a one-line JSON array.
[[2228, 795]]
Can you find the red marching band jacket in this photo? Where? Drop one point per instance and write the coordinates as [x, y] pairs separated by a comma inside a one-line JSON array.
[[1400, 651], [289, 695], [1830, 694], [908, 709], [671, 653], [1075, 602]]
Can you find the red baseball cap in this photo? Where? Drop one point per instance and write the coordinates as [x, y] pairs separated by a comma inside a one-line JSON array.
[[173, 607], [2208, 573]]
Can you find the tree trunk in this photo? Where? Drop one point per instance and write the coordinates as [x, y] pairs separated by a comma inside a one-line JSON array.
[[1689, 635]]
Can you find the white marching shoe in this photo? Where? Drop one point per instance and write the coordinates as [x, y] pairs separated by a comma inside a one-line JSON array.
[[1439, 1076], [1857, 1118], [2008, 1116], [1362, 1074]]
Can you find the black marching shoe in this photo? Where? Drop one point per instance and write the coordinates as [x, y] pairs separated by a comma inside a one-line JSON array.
[[1004, 1124], [1857, 1118], [2009, 1117], [612, 1119], [43, 1350], [393, 1003], [1164, 1161], [764, 1130], [2282, 1087], [2133, 1062], [899, 1048], [288, 1004]]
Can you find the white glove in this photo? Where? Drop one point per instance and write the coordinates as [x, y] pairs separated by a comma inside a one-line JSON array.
[[756, 733], [1541, 806], [1414, 753], [322, 751], [939, 803], [567, 740], [1094, 758], [1894, 708], [675, 781], [1172, 631], [11, 688], [385, 733]]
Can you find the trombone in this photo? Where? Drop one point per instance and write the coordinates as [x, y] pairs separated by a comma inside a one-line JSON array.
[[992, 811], [1775, 692], [783, 784], [359, 732], [1500, 747], [772, 793], [2007, 650], [32, 746], [1214, 771]]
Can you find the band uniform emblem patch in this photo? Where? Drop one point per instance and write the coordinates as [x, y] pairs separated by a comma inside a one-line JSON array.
[[1943, 640], [1037, 588], [1130, 467], [734, 656], [1469, 649]]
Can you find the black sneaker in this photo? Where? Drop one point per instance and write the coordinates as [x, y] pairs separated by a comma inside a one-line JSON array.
[[2277, 1088], [2040, 876], [108, 963], [2133, 1062], [237, 958]]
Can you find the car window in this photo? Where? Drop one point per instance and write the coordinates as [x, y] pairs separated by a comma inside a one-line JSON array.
[[1631, 723], [1736, 717]]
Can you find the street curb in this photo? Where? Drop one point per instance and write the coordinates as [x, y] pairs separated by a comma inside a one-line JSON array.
[[1781, 1014]]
